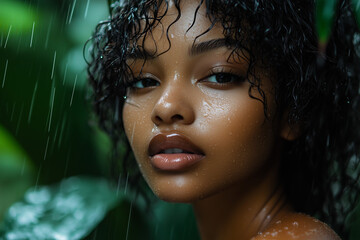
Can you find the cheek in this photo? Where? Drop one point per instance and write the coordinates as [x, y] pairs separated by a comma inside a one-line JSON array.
[[135, 123], [240, 140]]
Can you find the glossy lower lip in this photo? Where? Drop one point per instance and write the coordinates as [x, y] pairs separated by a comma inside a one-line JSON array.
[[175, 162]]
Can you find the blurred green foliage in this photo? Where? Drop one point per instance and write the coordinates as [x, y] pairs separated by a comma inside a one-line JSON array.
[[325, 13], [47, 132], [16, 171]]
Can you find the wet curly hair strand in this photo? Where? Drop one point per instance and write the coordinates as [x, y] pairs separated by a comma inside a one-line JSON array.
[[320, 91]]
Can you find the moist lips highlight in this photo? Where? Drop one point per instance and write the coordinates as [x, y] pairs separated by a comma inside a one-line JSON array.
[[161, 159]]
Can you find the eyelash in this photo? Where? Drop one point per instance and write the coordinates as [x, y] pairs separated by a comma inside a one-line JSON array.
[[141, 80], [151, 82], [227, 73]]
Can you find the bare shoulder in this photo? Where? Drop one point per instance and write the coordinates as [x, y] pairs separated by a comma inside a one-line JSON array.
[[298, 226]]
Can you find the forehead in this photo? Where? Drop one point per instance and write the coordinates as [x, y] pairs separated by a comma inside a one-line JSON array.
[[189, 23]]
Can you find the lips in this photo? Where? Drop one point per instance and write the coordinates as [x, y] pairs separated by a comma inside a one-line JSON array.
[[173, 152]]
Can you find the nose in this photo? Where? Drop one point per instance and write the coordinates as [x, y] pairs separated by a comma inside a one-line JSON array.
[[173, 106]]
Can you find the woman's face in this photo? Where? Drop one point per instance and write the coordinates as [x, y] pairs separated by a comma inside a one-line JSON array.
[[189, 119]]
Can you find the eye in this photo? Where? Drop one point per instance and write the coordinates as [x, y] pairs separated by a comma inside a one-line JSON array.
[[144, 83], [224, 78]]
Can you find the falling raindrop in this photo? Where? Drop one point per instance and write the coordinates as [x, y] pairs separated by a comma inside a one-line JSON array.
[[118, 185], [32, 34], [7, 37], [73, 91], [56, 132], [62, 130], [32, 102], [53, 66], [54, 138], [65, 73], [87, 8], [48, 33], [68, 14], [19, 120], [51, 107], [37, 177], [6, 66], [12, 112], [128, 225], [46, 148], [126, 183], [72, 12]]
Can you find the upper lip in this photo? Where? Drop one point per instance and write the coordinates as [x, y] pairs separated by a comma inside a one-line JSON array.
[[162, 142]]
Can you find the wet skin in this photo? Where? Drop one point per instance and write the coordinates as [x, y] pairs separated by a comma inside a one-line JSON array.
[[197, 94]]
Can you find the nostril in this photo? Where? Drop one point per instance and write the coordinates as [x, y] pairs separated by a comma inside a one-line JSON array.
[[177, 117], [158, 119]]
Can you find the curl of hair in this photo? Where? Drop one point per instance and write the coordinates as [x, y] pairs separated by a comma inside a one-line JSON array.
[[320, 91]]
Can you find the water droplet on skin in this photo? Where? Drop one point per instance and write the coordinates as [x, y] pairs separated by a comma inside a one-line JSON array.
[[296, 224], [180, 182], [132, 134], [274, 234], [172, 35]]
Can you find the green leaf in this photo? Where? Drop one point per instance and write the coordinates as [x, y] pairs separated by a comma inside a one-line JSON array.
[[68, 210], [17, 15], [325, 11], [16, 170], [356, 9]]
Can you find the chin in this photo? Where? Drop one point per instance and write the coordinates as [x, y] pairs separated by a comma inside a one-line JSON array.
[[177, 189]]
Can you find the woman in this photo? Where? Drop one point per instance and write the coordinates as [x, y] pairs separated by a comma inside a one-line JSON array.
[[229, 106]]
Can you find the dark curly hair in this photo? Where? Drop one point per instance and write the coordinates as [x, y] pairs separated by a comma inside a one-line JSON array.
[[319, 90]]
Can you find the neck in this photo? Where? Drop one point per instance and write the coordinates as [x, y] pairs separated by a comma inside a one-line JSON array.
[[242, 212]]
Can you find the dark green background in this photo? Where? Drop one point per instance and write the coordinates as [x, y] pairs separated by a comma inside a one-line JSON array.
[[46, 130]]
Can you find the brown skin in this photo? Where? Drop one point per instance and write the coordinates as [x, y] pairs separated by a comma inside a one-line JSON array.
[[234, 189]]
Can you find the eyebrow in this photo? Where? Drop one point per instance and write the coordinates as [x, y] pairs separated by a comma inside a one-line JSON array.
[[202, 47], [195, 49]]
